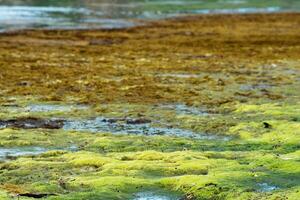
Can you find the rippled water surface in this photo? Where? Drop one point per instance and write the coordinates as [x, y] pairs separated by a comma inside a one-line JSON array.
[[18, 14]]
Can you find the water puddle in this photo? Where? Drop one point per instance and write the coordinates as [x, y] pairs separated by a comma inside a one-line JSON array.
[[6, 153], [9, 153], [32, 123], [154, 196], [135, 127], [265, 187]]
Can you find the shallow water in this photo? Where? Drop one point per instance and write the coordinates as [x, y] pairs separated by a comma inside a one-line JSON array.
[[6, 153], [20, 14], [265, 187], [20, 151], [134, 126], [154, 196], [101, 124]]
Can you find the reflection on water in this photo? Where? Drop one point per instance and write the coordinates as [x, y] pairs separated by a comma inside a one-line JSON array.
[[119, 13]]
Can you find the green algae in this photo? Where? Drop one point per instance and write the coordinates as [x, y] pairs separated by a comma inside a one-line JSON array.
[[120, 166], [201, 168], [3, 195], [201, 174]]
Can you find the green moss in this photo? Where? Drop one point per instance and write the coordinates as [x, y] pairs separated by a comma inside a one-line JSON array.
[[88, 159], [3, 195], [43, 138], [120, 175], [280, 132], [277, 110]]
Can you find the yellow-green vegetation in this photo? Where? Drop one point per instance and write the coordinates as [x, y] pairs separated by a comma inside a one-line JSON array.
[[204, 175], [46, 138], [3, 194], [204, 107]]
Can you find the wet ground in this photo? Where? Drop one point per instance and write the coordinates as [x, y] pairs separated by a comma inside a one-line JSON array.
[[206, 107]]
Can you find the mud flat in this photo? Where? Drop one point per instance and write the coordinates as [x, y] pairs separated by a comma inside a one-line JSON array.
[[206, 106]]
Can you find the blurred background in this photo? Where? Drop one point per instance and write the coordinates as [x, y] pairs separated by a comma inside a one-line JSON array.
[[81, 14]]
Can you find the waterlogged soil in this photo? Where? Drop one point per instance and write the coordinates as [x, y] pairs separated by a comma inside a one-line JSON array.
[[206, 107]]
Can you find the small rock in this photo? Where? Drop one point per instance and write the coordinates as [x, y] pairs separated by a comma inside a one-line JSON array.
[[138, 121], [267, 125], [31, 123]]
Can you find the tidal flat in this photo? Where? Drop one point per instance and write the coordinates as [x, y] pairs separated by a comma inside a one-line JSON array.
[[191, 108]]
